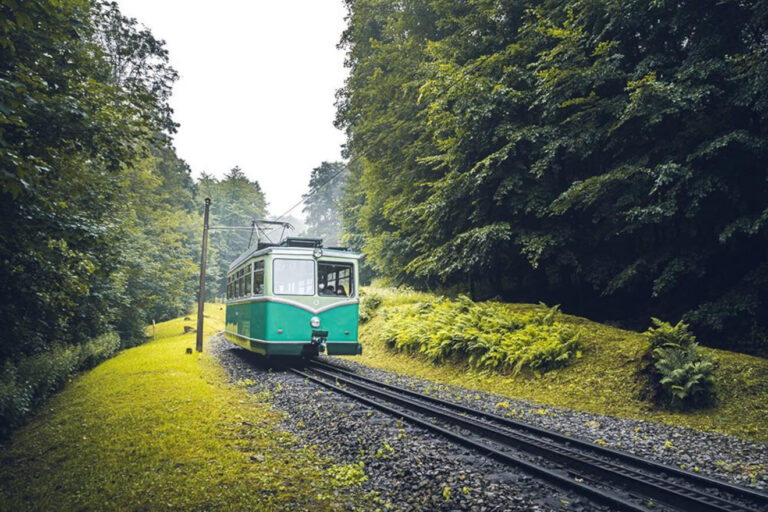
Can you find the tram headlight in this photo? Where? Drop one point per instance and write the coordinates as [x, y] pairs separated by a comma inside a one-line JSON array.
[[314, 322]]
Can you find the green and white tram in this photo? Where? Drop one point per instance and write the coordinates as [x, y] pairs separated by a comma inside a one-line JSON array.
[[295, 298]]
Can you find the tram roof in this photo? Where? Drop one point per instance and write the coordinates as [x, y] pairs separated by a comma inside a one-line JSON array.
[[259, 250]]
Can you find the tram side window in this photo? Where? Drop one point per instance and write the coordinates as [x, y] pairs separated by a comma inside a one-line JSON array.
[[293, 277], [258, 278], [248, 279], [335, 279]]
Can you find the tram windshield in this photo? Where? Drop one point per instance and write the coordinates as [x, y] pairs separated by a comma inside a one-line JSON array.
[[294, 277], [335, 279]]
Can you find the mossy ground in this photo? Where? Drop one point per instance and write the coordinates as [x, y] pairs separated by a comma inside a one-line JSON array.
[[154, 428], [602, 381]]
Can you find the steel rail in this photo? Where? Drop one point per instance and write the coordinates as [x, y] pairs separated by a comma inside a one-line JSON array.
[[700, 480], [650, 485], [552, 476]]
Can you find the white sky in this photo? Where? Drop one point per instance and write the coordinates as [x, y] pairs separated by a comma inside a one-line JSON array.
[[256, 88]]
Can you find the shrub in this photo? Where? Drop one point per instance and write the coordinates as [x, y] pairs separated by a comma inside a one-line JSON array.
[[369, 303], [686, 375], [98, 350], [29, 382], [15, 399], [679, 374], [486, 335], [665, 335]]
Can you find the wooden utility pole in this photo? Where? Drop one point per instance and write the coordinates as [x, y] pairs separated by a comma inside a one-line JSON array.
[[201, 296]]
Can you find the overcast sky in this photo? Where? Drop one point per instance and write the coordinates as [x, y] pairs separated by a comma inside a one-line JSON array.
[[257, 86]]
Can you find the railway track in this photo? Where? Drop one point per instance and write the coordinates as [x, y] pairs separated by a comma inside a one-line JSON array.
[[611, 477]]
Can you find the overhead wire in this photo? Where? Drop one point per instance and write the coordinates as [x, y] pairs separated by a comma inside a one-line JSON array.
[[304, 197]]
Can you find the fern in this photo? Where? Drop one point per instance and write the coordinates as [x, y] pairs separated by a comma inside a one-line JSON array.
[[682, 376], [687, 376], [486, 335], [666, 335], [368, 306]]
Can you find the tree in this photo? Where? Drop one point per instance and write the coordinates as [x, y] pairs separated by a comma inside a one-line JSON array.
[[350, 204], [606, 155], [321, 203], [235, 201], [84, 166], [160, 229]]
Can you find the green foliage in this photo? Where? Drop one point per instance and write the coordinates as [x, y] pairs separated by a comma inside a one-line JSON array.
[[348, 475], [134, 431], [487, 335], [235, 201], [369, 303], [604, 381], [681, 374], [30, 381], [99, 223], [321, 204], [687, 376], [665, 335], [350, 206], [605, 155]]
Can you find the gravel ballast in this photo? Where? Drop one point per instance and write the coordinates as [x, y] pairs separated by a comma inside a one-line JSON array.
[[725, 457], [408, 468]]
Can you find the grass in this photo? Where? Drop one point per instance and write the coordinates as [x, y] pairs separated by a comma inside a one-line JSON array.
[[602, 381], [154, 428]]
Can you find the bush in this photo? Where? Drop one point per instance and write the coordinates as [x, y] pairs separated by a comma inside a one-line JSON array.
[[680, 375], [15, 399], [665, 335], [369, 303], [29, 382], [98, 350], [686, 375], [486, 335]]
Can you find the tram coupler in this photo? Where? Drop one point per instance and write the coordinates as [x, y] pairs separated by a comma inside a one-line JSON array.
[[318, 340], [319, 337]]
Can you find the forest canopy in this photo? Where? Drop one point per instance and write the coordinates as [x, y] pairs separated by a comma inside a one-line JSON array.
[[607, 155], [97, 208], [101, 220], [235, 201], [322, 202]]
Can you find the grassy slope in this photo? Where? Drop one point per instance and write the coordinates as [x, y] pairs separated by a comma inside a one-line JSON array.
[[154, 428], [602, 381]]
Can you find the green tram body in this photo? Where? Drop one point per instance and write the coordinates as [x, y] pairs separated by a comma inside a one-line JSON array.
[[271, 301]]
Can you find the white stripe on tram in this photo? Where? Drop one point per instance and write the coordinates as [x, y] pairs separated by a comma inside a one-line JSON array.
[[294, 303]]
